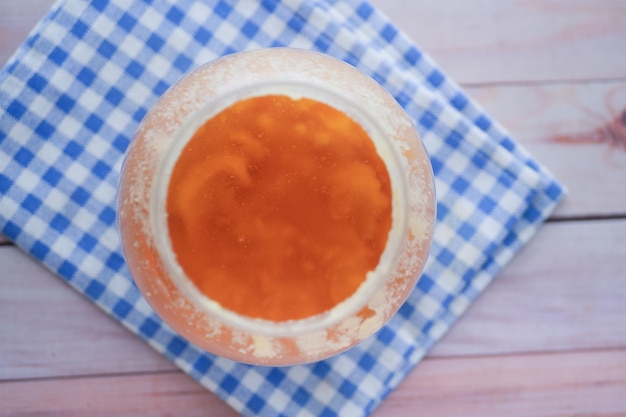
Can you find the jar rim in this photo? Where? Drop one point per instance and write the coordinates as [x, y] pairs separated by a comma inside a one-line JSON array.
[[295, 89]]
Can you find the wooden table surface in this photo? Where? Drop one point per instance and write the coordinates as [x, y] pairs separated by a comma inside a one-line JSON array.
[[548, 338]]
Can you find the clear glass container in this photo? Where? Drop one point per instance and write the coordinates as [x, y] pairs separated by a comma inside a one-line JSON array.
[[158, 144]]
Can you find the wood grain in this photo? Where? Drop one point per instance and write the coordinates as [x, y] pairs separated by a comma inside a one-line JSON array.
[[150, 395], [492, 41], [51, 330], [542, 385], [565, 291], [496, 41], [567, 384], [17, 19], [577, 130]]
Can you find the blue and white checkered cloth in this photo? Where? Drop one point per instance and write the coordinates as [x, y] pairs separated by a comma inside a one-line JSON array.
[[73, 94]]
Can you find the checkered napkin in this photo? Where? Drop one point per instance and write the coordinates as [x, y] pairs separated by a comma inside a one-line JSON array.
[[73, 94]]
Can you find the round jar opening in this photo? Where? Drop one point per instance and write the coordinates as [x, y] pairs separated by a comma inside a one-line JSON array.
[[280, 207]]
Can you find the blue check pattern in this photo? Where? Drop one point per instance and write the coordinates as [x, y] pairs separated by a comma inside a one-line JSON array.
[[73, 94]]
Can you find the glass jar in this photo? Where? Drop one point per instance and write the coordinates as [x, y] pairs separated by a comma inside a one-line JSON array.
[[143, 216]]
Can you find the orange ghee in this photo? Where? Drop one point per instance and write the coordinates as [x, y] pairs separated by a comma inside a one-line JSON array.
[[278, 208]]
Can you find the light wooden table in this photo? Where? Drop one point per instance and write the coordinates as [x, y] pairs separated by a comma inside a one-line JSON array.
[[548, 338]]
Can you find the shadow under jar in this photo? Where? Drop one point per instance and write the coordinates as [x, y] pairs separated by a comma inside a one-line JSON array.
[[276, 206]]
